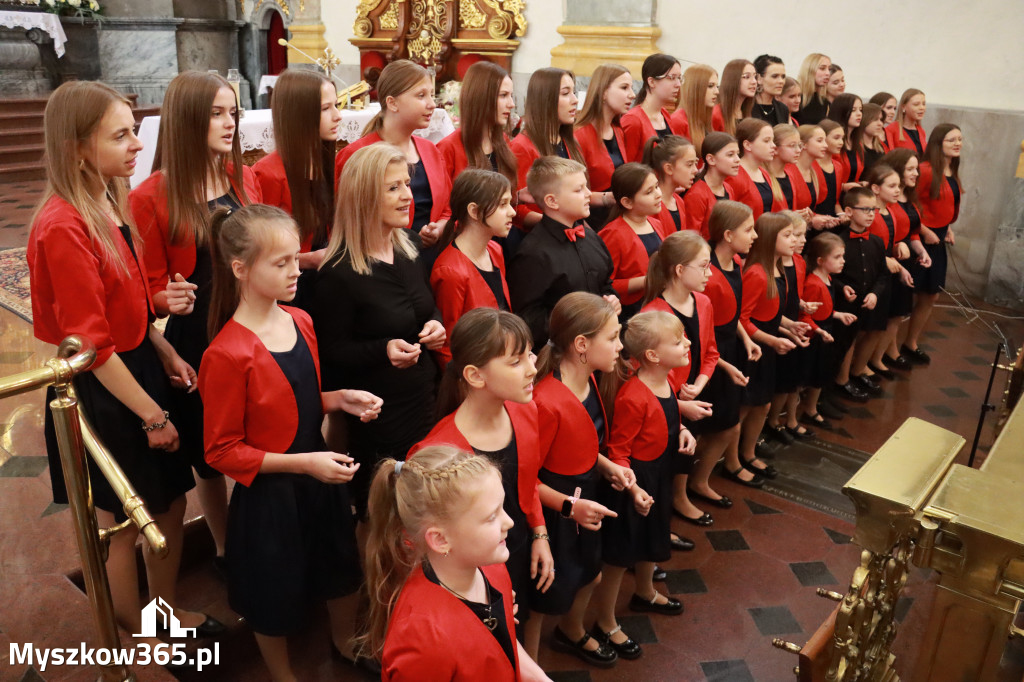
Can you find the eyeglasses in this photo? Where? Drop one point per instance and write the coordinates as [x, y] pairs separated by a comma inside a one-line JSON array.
[[674, 79], [866, 209], [704, 269]]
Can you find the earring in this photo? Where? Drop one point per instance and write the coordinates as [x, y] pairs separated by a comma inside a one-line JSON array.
[[446, 553], [81, 164]]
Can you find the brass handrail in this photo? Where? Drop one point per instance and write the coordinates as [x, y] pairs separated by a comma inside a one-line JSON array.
[[75, 437]]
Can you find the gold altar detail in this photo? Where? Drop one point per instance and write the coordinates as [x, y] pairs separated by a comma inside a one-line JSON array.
[[915, 505], [587, 47], [438, 33]]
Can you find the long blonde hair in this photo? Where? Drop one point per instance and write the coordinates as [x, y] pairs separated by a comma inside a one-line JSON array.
[[72, 114], [432, 485], [808, 86], [593, 109], [396, 78], [358, 225], [693, 99]]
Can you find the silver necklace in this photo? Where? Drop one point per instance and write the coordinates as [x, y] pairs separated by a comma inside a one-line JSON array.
[[489, 621]]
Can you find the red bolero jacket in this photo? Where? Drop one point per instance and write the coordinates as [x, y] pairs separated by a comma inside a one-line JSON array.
[[526, 153], [524, 424], [454, 153], [744, 190], [801, 193], [699, 201], [718, 291], [628, 254], [681, 123], [895, 137], [841, 164], [459, 287], [249, 407], [433, 164], [665, 225], [568, 440], [756, 304], [936, 212], [904, 227], [149, 207], [816, 291], [74, 291], [708, 346], [273, 182], [639, 430], [596, 157], [637, 129], [428, 621]]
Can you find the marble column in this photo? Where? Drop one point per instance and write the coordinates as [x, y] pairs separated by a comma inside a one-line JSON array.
[[138, 48], [307, 32], [21, 69], [606, 31]]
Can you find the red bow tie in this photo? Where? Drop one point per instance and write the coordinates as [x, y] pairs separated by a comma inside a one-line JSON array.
[[572, 233], [859, 235]]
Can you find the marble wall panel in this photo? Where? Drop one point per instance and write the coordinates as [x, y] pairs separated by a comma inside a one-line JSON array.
[[141, 62], [588, 12]]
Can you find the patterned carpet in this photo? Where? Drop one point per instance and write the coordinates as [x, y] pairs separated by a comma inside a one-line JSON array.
[[14, 286]]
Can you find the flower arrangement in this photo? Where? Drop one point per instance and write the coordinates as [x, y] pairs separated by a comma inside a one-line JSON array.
[[76, 8]]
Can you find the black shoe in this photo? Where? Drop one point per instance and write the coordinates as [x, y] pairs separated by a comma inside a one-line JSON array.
[[881, 371], [703, 520], [211, 627], [915, 355], [831, 401], [659, 574], [797, 434], [602, 657], [673, 607], [768, 471], [851, 391], [868, 384], [680, 544], [756, 482], [900, 364], [628, 650], [778, 434], [762, 450], [829, 410], [723, 502], [816, 420]]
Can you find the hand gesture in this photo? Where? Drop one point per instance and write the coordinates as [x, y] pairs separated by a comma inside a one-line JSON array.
[[782, 345], [810, 307], [869, 302], [694, 409], [753, 351], [825, 336], [403, 354], [331, 467], [621, 478], [738, 377], [181, 373], [902, 251], [589, 514], [925, 260], [928, 235], [430, 233], [616, 303], [950, 239], [642, 501], [849, 293], [892, 265], [181, 295], [432, 335], [906, 277], [362, 404], [542, 564], [687, 443], [688, 391], [846, 318]]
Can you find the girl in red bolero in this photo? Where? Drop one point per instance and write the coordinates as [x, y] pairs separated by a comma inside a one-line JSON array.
[[806, 176], [470, 271], [906, 130], [697, 99], [573, 432], [649, 117], [297, 176], [676, 280], [674, 161], [88, 278], [721, 156], [736, 99], [632, 235], [600, 136], [752, 185], [291, 537], [491, 375], [406, 93], [646, 437], [486, 103], [173, 207], [435, 566], [828, 171], [848, 111]]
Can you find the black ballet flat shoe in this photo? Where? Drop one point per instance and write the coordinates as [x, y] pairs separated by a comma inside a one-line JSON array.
[[778, 434], [915, 355], [673, 607], [602, 657], [868, 384], [680, 544], [806, 434], [851, 391], [659, 574], [881, 371], [211, 627], [762, 450], [816, 420], [704, 520], [723, 502], [900, 364], [756, 482], [628, 650], [768, 471]]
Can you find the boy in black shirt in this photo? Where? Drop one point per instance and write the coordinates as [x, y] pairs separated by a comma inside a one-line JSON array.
[[560, 254]]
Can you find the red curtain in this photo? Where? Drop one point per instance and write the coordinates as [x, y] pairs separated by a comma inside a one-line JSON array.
[[277, 55]]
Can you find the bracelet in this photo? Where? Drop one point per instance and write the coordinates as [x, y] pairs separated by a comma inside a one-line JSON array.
[[541, 536], [156, 425]]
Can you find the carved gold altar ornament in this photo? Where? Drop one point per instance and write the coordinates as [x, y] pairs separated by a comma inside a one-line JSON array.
[[916, 505], [430, 20], [283, 4], [354, 96]]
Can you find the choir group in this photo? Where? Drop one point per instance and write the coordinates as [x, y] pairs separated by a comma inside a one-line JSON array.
[[535, 349]]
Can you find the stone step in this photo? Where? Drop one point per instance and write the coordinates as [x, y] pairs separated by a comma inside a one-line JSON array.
[[16, 136], [18, 172], [27, 105], [21, 119], [21, 153]]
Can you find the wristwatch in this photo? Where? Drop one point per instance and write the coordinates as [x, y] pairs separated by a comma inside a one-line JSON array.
[[570, 502]]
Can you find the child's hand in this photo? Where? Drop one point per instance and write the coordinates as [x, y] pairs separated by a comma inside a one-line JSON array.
[[928, 236], [362, 404], [846, 318], [906, 277], [688, 391], [870, 301], [753, 351], [849, 293], [825, 336], [892, 265], [950, 239], [181, 295], [589, 514], [614, 300], [810, 307], [642, 501], [542, 564], [331, 467], [694, 409], [781, 345], [619, 476], [431, 232], [902, 251], [687, 443], [738, 377], [925, 260]]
